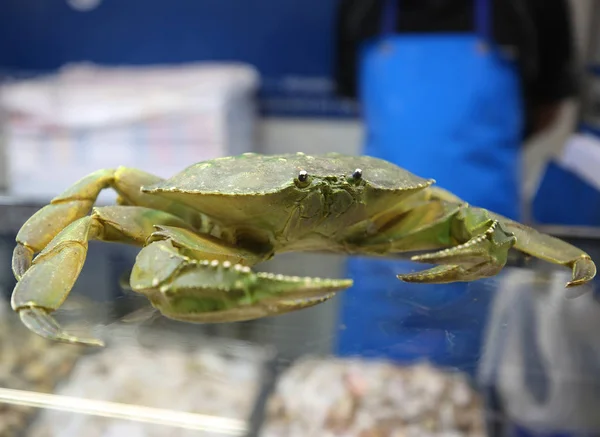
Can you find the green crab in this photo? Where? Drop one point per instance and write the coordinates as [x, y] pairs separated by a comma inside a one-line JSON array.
[[203, 230]]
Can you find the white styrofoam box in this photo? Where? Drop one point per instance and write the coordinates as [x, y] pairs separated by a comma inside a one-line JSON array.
[[581, 155], [61, 127], [541, 354]]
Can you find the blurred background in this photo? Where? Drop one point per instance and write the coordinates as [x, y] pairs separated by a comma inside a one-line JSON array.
[[89, 84]]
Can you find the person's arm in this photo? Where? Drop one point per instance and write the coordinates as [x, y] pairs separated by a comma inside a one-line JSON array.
[[557, 77]]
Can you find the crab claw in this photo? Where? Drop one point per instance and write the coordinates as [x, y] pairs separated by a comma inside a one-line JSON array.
[[482, 256], [217, 291], [435, 275]]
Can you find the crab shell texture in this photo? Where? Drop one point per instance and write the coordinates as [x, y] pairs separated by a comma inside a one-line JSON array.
[[283, 198]]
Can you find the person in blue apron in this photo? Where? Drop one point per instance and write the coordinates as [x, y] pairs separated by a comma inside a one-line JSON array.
[[453, 103], [450, 90]]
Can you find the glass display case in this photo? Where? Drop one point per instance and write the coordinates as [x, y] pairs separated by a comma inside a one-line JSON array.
[[294, 375], [91, 84]]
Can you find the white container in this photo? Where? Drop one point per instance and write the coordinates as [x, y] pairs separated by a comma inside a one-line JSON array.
[[159, 119], [581, 155]]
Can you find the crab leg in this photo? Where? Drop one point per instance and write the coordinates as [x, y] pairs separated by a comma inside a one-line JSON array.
[[77, 201], [415, 225], [470, 245], [193, 278], [551, 249], [46, 284]]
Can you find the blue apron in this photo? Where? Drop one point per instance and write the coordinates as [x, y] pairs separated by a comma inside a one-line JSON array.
[[445, 106]]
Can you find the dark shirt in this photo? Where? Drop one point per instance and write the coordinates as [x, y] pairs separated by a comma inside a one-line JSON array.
[[538, 31]]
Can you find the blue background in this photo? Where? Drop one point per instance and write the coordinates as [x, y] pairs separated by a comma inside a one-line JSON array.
[[281, 38]]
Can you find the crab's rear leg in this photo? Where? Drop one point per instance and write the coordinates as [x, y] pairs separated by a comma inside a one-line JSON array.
[[46, 284], [551, 249], [196, 278], [77, 201]]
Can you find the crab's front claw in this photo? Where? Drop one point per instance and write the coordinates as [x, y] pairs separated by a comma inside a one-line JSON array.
[[482, 256], [219, 290]]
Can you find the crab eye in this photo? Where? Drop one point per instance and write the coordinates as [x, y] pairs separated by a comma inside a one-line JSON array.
[[303, 179], [357, 175]]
